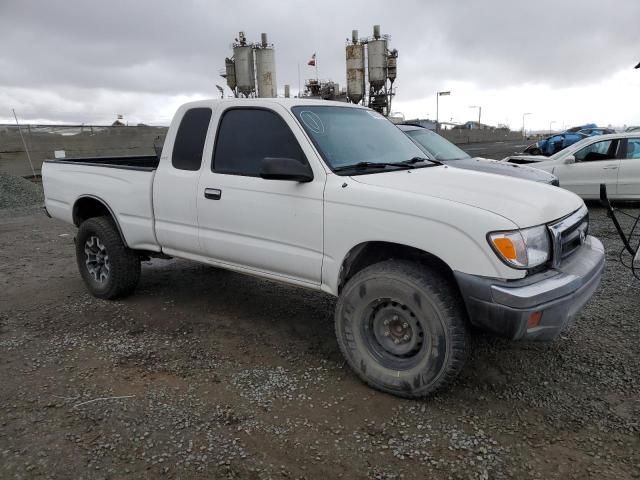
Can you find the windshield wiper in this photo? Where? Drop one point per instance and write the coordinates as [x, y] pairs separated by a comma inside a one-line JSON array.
[[368, 165], [406, 164], [414, 160]]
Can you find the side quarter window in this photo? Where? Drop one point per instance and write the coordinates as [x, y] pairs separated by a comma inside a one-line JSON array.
[[246, 136], [190, 139]]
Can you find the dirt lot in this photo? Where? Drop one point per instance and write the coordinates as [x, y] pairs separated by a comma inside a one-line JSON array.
[[226, 376]]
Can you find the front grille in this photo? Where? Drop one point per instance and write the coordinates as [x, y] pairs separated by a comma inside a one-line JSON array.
[[568, 234]]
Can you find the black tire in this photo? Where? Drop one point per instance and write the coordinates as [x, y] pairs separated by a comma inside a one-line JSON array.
[[109, 269], [402, 327]]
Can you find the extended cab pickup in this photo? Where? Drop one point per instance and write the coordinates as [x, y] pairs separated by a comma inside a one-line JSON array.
[[333, 197]]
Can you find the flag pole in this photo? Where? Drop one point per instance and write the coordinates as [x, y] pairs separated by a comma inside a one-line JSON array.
[[315, 62]]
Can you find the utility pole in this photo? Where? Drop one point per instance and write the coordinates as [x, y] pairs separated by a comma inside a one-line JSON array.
[[479, 113]]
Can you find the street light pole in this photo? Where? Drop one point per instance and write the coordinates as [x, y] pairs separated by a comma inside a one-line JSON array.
[[523, 130], [438, 94]]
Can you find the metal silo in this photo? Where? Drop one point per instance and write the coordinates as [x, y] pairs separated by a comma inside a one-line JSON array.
[[230, 73], [392, 65], [355, 69], [377, 59], [243, 59], [266, 69]]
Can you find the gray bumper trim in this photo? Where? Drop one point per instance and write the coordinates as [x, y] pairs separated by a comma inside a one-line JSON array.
[[503, 307]]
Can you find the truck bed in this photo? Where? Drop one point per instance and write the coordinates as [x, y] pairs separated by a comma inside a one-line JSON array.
[[134, 162], [123, 184]]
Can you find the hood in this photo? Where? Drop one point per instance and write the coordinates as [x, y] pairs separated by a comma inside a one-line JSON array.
[[503, 168], [523, 202]]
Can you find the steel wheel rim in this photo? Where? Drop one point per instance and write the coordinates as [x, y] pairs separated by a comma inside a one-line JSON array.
[[97, 259], [394, 335]]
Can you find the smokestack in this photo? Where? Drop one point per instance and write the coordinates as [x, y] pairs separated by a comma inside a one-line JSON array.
[[354, 36], [376, 32], [286, 91], [264, 39]]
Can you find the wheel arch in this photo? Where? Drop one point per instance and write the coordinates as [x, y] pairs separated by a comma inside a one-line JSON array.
[[371, 252], [90, 206]]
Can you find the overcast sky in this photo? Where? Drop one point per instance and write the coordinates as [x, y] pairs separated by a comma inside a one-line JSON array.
[[80, 61]]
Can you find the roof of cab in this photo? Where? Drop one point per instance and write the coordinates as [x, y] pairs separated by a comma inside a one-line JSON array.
[[285, 102]]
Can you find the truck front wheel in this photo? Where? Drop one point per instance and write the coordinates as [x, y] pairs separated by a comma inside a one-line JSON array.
[[402, 327], [109, 269]]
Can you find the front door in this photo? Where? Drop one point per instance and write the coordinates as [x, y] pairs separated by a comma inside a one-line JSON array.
[[268, 226], [629, 173], [595, 164]]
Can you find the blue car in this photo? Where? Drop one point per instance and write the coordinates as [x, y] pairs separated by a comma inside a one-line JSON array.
[[560, 141]]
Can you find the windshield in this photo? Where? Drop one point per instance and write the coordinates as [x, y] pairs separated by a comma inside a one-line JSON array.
[[347, 136], [436, 146]]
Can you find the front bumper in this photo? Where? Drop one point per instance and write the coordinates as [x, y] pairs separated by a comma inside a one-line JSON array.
[[505, 307]]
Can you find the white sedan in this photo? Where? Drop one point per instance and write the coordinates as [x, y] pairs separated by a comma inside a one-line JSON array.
[[612, 159]]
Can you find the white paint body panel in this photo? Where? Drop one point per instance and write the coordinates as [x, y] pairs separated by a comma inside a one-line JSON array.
[[300, 233], [265, 225], [126, 192]]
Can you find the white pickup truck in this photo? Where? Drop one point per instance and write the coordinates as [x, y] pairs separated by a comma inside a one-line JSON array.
[[333, 197]]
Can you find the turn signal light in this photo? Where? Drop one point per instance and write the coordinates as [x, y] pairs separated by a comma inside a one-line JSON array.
[[506, 247], [534, 319]]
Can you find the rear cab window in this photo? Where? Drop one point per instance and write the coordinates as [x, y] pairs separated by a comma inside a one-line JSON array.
[[190, 139]]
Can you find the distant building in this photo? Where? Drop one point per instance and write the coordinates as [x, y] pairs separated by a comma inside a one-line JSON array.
[[472, 125]]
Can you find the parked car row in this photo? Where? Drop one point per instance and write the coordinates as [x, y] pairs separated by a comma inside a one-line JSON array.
[[439, 148], [553, 144], [612, 159]]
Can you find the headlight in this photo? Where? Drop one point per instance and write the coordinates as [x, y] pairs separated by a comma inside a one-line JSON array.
[[526, 248]]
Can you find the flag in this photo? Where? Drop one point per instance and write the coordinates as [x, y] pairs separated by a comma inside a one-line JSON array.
[[312, 62]]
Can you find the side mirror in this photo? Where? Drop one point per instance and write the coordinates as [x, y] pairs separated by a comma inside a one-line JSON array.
[[569, 160], [276, 168]]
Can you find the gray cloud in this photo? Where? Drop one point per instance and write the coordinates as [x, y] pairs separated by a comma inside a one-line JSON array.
[[58, 57]]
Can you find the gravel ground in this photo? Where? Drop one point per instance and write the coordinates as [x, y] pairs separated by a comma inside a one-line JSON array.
[[204, 373], [18, 192]]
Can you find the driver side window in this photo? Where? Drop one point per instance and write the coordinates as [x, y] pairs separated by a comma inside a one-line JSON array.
[[246, 136], [605, 150]]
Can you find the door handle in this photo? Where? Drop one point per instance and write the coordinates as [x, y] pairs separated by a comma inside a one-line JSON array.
[[610, 167], [212, 193]]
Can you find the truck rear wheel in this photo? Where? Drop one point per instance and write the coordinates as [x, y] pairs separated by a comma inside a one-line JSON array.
[[109, 269], [402, 328]]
